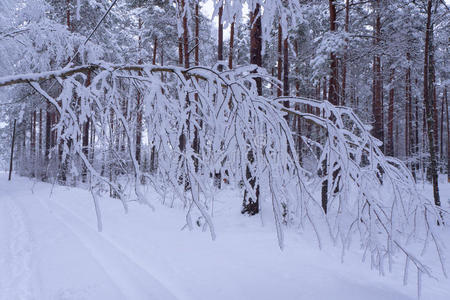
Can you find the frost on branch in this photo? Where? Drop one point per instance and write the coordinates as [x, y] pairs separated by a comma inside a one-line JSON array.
[[199, 122]]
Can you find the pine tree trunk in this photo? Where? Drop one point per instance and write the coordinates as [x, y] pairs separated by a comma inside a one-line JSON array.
[[11, 157], [428, 100], [231, 51], [33, 144], [153, 150], [256, 43], [333, 98], [280, 57], [250, 205], [85, 138], [155, 46], [48, 137], [344, 62], [390, 142], [333, 95], [139, 103], [197, 35], [196, 141], [185, 37], [220, 38], [180, 51], [377, 104], [448, 135], [297, 107], [286, 88], [441, 129], [69, 27], [407, 110], [40, 141]]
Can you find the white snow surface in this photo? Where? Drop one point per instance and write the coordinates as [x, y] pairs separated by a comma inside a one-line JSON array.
[[50, 249]]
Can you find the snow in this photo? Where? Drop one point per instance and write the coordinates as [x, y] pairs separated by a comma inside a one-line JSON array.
[[50, 249]]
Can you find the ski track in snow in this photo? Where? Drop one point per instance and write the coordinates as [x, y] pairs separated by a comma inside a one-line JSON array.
[[131, 279], [17, 277], [17, 284], [50, 249]]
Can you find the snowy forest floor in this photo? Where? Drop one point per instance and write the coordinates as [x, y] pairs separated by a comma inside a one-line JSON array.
[[50, 249]]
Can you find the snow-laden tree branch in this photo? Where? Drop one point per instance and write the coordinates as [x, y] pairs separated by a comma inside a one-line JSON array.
[[200, 122]]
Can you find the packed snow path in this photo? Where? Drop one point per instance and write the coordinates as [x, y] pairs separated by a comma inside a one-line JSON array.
[[50, 249], [65, 259], [15, 252]]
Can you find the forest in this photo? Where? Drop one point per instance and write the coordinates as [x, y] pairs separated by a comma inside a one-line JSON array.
[[322, 117]]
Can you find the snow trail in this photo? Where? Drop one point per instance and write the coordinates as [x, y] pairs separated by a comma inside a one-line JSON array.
[[17, 261], [134, 281], [50, 249]]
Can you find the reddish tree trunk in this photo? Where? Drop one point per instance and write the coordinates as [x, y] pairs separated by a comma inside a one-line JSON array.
[[344, 62], [280, 57], [428, 100], [256, 43], [286, 75], [333, 95], [407, 109], [40, 135], [297, 106], [180, 51], [68, 15], [230, 54], [251, 205], [286, 89], [11, 157], [33, 135], [139, 103], [390, 143], [197, 35], [377, 104], [441, 131], [85, 138], [48, 128], [448, 135], [220, 37], [185, 38], [155, 46]]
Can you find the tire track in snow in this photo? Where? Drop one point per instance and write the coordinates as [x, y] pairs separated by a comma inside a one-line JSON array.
[[134, 281], [18, 283]]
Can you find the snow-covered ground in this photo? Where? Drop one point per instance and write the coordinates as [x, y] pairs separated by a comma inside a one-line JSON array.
[[50, 249]]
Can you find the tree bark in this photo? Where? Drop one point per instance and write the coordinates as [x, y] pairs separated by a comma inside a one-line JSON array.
[[230, 54], [197, 35], [448, 135], [428, 100], [180, 51], [85, 138], [48, 134], [139, 103], [407, 109], [12, 151], [286, 88], [251, 204], [344, 61], [220, 38], [40, 137], [256, 43], [33, 143], [155, 46], [185, 37], [333, 95], [297, 93], [390, 142], [280, 57], [377, 104]]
